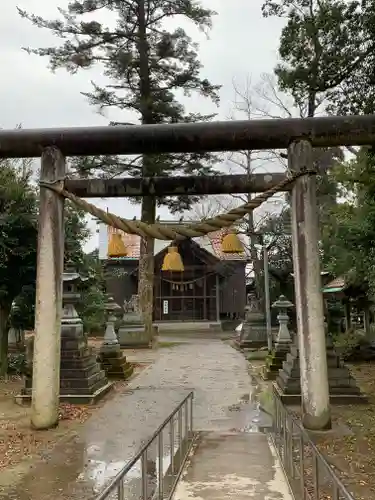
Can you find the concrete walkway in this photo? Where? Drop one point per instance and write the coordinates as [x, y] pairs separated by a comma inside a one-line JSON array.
[[80, 467], [233, 466]]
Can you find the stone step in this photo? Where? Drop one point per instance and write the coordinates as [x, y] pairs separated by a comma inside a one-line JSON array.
[[194, 326]]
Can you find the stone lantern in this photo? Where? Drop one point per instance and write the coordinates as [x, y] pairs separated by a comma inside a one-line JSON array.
[[113, 311], [342, 386], [82, 380], [275, 360], [283, 335], [81, 377], [111, 357], [71, 297]]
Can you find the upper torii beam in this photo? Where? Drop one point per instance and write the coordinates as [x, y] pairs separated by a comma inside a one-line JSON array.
[[190, 137]]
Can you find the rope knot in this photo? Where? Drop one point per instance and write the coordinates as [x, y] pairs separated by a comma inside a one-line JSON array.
[[56, 185]]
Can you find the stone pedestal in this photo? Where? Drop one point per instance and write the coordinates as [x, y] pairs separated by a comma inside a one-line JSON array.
[[342, 386], [254, 330], [132, 333], [82, 381], [112, 360], [274, 361], [114, 363]]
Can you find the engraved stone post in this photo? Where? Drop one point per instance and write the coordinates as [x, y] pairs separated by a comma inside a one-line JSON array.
[[50, 261], [132, 332], [254, 331], [309, 300]]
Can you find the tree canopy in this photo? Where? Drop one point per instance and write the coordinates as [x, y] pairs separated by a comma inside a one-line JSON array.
[[326, 54], [148, 60], [147, 63], [18, 246]]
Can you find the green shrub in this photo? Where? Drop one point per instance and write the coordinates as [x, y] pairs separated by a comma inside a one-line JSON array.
[[17, 364], [348, 342]]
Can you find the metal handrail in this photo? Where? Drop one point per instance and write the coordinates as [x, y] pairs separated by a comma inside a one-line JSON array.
[[309, 474], [177, 456]]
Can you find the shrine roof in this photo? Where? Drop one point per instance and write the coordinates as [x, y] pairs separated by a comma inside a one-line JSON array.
[[336, 285]]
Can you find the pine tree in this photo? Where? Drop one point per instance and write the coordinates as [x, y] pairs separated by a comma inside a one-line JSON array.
[[318, 50], [327, 52], [146, 64]]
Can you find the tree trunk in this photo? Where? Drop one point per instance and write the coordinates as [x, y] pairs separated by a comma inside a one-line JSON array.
[[253, 241], [148, 211], [257, 262], [146, 267], [4, 315]]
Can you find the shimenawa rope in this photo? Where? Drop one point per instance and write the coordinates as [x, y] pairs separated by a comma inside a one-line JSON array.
[[175, 232]]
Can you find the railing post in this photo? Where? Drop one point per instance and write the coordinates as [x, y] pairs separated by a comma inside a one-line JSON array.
[[191, 416], [180, 439], [302, 466], [144, 476], [120, 490], [309, 300], [186, 432], [171, 438], [50, 262], [315, 472], [160, 466]]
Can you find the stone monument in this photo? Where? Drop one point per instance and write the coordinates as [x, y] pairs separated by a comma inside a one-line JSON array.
[[342, 386], [16, 340], [132, 332], [16, 333], [274, 362], [82, 380], [111, 357], [254, 331]]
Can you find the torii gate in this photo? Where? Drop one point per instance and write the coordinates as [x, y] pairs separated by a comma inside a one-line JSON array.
[[299, 136]]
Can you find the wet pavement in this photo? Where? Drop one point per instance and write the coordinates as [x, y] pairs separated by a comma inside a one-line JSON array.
[[223, 395], [233, 466]]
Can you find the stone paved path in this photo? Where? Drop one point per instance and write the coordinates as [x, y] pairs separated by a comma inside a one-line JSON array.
[[79, 468]]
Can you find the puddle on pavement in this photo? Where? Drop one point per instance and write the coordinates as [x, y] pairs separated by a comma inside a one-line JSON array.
[[247, 416], [100, 473]]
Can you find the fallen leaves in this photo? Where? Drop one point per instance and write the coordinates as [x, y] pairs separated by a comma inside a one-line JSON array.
[[73, 412], [353, 455], [17, 439]]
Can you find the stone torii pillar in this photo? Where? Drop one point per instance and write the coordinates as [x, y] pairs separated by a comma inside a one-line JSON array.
[[48, 307], [309, 299]]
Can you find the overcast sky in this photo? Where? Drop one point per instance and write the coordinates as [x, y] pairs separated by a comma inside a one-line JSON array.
[[242, 44]]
